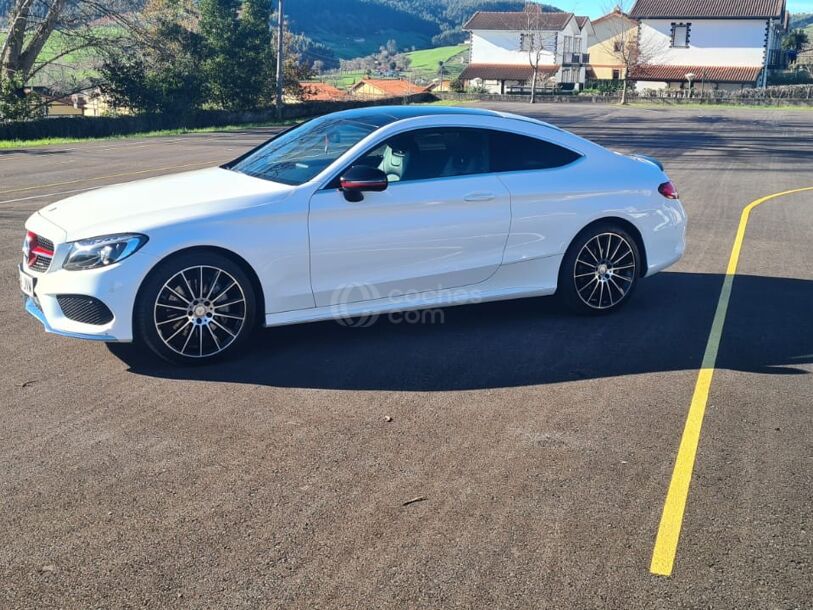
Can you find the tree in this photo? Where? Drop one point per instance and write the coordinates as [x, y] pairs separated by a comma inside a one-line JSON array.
[[31, 26], [796, 40], [295, 68], [619, 38], [536, 42], [159, 69]]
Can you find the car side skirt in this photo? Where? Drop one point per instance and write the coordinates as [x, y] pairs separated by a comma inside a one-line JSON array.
[[508, 282]]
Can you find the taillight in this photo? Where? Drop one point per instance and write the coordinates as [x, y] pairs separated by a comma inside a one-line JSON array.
[[668, 190]]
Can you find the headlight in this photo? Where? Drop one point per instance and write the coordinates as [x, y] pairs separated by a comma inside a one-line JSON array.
[[102, 251]]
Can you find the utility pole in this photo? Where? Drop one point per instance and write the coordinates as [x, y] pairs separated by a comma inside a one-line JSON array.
[[280, 62]]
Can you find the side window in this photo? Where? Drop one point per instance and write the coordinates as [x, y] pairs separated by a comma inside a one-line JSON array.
[[425, 154], [511, 152]]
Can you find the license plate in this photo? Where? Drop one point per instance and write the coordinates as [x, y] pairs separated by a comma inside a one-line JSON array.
[[27, 284]]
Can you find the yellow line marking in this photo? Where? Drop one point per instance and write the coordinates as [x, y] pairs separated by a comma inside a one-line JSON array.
[[663, 555], [122, 175]]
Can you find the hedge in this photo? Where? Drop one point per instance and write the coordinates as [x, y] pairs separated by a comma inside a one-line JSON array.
[[101, 127]]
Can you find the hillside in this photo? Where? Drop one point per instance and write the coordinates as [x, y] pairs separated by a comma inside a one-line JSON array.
[[353, 28], [803, 21], [424, 63], [348, 29]]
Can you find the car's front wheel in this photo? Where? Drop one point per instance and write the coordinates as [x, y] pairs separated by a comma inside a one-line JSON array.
[[600, 269], [195, 308]]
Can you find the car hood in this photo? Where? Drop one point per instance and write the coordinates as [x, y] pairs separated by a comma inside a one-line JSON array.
[[138, 206]]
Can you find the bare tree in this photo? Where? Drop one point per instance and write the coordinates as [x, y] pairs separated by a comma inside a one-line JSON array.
[[537, 42], [619, 38], [32, 23]]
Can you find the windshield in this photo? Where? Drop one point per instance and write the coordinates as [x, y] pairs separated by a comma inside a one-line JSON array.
[[297, 155]]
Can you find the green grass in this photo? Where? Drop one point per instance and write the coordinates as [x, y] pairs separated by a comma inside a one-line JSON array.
[[345, 79], [424, 65], [425, 62], [21, 144], [77, 66]]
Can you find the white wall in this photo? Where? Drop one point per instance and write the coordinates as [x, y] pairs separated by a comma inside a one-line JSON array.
[[712, 42], [502, 47]]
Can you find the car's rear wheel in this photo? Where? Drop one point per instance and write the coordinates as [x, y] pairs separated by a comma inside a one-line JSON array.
[[600, 270], [195, 308]]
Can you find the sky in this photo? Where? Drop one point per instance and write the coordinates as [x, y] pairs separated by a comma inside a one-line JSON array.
[[597, 8]]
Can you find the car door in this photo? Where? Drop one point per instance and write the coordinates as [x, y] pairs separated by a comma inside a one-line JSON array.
[[442, 222]]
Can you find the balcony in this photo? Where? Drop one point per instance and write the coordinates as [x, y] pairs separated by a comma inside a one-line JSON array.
[[575, 59]]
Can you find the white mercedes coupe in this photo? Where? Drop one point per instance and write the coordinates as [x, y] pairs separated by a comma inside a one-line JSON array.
[[355, 213]]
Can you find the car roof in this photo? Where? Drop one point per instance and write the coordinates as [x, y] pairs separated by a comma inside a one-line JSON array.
[[384, 115]]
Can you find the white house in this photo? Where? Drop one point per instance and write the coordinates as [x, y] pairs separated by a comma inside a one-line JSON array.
[[713, 44], [501, 43]]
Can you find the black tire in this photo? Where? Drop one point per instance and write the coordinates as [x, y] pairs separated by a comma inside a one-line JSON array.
[[613, 261], [195, 308]]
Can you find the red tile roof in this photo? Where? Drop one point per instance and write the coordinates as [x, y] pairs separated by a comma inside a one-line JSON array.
[[391, 86], [318, 92], [715, 74], [708, 8], [516, 20], [504, 72]]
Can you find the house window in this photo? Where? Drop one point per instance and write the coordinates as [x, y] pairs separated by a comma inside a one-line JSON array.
[[617, 46], [526, 42], [680, 35], [616, 74]]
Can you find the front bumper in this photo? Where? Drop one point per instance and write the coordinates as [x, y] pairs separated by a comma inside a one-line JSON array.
[[115, 286], [32, 308]]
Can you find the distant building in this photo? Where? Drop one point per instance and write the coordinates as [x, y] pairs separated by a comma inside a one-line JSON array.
[[500, 42], [72, 105], [722, 44], [440, 86], [385, 87], [320, 92], [610, 33]]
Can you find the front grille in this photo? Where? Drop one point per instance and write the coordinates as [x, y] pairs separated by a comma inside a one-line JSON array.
[[45, 244], [40, 264], [85, 309], [38, 252]]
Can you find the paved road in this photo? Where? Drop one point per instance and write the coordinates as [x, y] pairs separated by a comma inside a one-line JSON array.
[[542, 444]]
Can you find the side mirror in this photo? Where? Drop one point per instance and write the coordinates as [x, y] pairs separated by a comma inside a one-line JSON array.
[[360, 178]]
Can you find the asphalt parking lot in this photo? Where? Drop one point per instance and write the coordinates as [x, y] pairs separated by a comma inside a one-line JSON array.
[[542, 445]]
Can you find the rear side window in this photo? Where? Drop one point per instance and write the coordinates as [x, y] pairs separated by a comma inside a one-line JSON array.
[[512, 152]]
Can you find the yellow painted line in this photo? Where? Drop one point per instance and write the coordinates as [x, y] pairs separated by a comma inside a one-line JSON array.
[[108, 177], [666, 542]]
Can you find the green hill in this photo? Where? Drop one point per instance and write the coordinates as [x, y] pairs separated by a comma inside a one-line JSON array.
[[803, 21], [354, 28], [425, 62]]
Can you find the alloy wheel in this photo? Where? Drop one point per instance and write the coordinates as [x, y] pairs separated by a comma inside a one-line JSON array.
[[200, 311], [605, 270]]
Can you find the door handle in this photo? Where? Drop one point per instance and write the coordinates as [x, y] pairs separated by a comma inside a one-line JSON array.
[[479, 197]]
